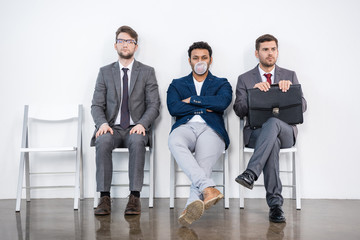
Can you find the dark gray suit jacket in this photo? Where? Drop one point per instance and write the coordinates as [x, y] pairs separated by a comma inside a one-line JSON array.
[[247, 81], [144, 100]]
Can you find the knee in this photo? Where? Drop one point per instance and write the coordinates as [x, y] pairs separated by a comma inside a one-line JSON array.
[[104, 141], [272, 122], [277, 144], [137, 140], [174, 141]]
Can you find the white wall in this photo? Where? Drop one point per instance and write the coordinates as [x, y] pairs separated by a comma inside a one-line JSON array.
[[52, 50]]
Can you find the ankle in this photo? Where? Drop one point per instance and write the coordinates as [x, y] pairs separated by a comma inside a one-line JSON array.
[[135, 193], [103, 194]]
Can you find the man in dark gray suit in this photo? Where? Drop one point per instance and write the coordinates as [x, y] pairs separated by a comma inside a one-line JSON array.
[[274, 133], [125, 104]]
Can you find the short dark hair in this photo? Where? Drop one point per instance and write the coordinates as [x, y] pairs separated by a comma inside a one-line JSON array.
[[265, 38], [199, 45], [128, 30]]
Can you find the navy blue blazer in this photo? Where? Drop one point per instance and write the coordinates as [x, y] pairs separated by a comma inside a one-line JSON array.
[[216, 94]]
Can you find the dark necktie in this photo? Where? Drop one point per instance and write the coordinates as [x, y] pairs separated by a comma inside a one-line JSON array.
[[125, 117], [268, 77]]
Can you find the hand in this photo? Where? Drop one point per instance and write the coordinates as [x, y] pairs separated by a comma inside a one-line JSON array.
[[209, 110], [284, 85], [139, 129], [104, 129], [263, 86], [187, 100]]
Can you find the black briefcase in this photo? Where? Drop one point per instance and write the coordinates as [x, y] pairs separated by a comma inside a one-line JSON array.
[[287, 106]]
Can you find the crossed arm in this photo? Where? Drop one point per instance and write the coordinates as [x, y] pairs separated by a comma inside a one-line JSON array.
[[194, 105]]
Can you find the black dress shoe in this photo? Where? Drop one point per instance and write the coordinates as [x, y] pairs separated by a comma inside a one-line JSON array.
[[246, 179], [276, 214]]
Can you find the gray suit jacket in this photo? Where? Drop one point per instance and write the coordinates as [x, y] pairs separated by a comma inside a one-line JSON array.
[[247, 81], [144, 100]]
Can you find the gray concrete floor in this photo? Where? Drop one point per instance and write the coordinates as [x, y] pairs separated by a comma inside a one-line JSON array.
[[55, 219]]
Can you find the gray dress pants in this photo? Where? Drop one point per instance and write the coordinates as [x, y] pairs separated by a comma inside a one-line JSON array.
[[104, 167], [196, 148], [267, 141]]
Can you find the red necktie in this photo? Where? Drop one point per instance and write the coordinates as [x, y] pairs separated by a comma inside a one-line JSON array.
[[268, 77], [125, 117]]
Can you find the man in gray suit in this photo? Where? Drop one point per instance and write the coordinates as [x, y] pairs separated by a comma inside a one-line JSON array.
[[274, 133], [125, 104]]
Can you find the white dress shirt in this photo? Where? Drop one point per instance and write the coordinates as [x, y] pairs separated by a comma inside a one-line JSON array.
[[121, 89], [263, 78]]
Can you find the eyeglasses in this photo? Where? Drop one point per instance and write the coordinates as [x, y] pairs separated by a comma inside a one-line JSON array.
[[128, 41]]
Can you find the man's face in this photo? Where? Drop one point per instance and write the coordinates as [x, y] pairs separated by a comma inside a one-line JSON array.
[[267, 54], [125, 50], [199, 55]]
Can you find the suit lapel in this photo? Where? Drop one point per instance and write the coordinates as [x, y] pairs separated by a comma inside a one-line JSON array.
[[277, 74], [256, 74], [134, 75], [207, 82], [190, 84], [116, 79]]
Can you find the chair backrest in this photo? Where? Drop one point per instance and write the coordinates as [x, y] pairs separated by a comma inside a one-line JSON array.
[[44, 120]]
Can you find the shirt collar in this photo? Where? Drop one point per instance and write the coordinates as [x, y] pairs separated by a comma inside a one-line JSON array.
[[129, 66], [262, 72]]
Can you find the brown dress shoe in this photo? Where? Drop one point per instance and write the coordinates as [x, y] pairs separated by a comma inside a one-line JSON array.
[[211, 196], [192, 212], [104, 207], [133, 206]]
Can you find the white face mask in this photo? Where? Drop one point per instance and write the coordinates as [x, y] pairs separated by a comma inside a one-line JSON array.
[[200, 68]]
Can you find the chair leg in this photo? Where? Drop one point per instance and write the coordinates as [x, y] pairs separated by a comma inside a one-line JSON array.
[[293, 171], [96, 195], [151, 176], [226, 179], [77, 181], [172, 181], [297, 183], [241, 188], [27, 176], [20, 182], [81, 175]]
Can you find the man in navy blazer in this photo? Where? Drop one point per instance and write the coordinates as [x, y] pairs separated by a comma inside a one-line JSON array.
[[274, 133], [198, 137]]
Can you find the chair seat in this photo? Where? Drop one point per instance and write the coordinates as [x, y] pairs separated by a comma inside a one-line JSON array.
[[49, 149], [123, 150], [283, 150]]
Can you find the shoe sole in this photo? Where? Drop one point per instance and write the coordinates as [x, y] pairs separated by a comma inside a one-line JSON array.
[[194, 211], [244, 183], [213, 201], [132, 213], [277, 221], [102, 214]]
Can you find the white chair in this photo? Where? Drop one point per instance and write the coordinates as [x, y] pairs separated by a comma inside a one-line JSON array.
[[51, 115], [149, 157], [174, 169], [295, 168]]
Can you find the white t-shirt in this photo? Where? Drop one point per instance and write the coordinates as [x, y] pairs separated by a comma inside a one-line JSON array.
[[198, 86]]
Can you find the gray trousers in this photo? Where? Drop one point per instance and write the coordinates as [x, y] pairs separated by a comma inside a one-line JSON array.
[[207, 146], [267, 141], [104, 166]]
